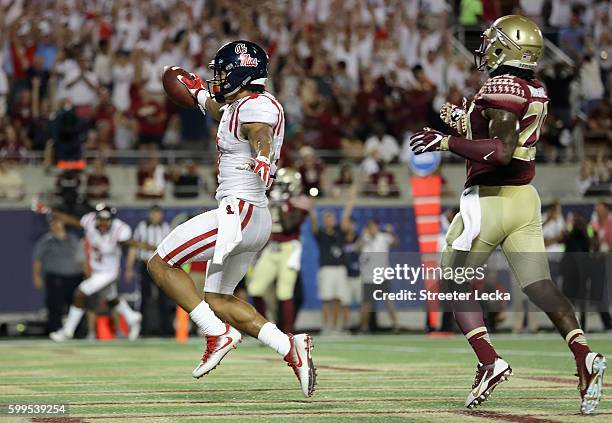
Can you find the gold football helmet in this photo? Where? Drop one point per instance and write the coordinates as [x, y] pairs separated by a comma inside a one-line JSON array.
[[512, 40], [287, 184]]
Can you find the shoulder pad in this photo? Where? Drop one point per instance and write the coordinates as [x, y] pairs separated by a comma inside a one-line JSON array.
[[504, 92]]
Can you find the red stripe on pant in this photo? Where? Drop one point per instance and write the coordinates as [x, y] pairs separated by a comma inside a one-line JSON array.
[[202, 237], [188, 244]]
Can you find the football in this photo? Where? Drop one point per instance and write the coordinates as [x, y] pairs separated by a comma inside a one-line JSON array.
[[177, 92]]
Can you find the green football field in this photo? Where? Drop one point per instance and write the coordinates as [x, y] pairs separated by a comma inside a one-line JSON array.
[[366, 378]]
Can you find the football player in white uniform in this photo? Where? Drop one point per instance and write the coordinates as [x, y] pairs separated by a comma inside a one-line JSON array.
[[249, 140], [105, 236]]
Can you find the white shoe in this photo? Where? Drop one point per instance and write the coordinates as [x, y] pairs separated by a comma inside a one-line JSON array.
[[487, 379], [216, 348], [59, 336], [299, 358], [591, 374], [135, 326]]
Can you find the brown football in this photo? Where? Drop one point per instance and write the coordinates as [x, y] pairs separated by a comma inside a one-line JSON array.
[[176, 91]]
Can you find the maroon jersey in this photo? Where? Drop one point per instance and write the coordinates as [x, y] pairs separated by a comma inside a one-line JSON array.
[[300, 205], [526, 99]]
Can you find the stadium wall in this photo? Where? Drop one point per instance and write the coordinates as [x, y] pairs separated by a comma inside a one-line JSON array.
[[21, 229]]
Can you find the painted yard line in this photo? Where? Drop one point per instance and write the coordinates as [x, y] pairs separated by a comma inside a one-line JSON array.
[[325, 389], [283, 413], [248, 342], [514, 418], [466, 350], [311, 402]]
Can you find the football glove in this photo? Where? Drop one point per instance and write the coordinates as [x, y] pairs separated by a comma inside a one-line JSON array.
[[456, 117], [429, 140], [196, 88], [260, 166]]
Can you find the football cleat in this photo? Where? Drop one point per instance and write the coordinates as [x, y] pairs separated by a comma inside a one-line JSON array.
[[299, 358], [59, 336], [591, 374], [487, 379], [217, 347], [135, 326]]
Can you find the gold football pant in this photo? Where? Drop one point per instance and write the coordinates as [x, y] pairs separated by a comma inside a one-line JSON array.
[[510, 217], [273, 265]]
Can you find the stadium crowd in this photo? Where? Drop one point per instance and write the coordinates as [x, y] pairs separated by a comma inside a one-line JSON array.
[[85, 75]]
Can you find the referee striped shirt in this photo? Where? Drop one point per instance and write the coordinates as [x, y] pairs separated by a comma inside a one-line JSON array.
[[151, 234]]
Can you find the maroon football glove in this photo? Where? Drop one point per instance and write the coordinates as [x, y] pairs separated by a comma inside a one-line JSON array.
[[429, 140]]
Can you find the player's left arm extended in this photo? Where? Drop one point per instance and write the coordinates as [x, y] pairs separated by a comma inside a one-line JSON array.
[[260, 136], [496, 150], [132, 243]]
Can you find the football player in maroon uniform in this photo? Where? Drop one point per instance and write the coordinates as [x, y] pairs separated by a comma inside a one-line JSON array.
[[280, 260], [496, 133]]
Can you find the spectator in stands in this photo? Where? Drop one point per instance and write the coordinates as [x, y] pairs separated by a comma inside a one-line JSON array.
[[553, 227], [81, 87], [591, 85], [471, 12], [188, 183], [344, 182], [375, 247], [601, 221], [68, 133], [57, 268], [98, 183], [156, 308], [381, 183], [386, 144], [151, 179], [103, 64], [122, 77], [332, 275], [13, 143], [311, 168], [12, 186], [371, 164], [558, 79], [571, 38], [151, 117]]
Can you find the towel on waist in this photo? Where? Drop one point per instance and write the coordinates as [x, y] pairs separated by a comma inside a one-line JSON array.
[[469, 209], [229, 233]]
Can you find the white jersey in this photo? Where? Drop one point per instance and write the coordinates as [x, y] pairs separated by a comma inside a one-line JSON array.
[[104, 249], [234, 150]]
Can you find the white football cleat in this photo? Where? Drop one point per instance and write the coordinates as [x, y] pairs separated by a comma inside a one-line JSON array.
[[217, 347], [59, 336], [487, 379], [299, 358], [591, 376], [135, 326]]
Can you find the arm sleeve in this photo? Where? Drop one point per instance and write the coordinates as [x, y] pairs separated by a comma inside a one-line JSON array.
[[503, 92], [88, 219], [259, 109], [124, 233]]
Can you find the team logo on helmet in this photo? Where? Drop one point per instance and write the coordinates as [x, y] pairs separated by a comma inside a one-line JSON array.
[[247, 60], [240, 48]]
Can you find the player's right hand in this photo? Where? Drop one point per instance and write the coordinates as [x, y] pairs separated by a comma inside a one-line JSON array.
[[193, 84], [428, 140]]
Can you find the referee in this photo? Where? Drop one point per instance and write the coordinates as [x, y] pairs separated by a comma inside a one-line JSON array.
[[156, 308]]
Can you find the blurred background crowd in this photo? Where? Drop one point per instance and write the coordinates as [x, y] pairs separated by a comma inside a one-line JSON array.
[[81, 79]]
